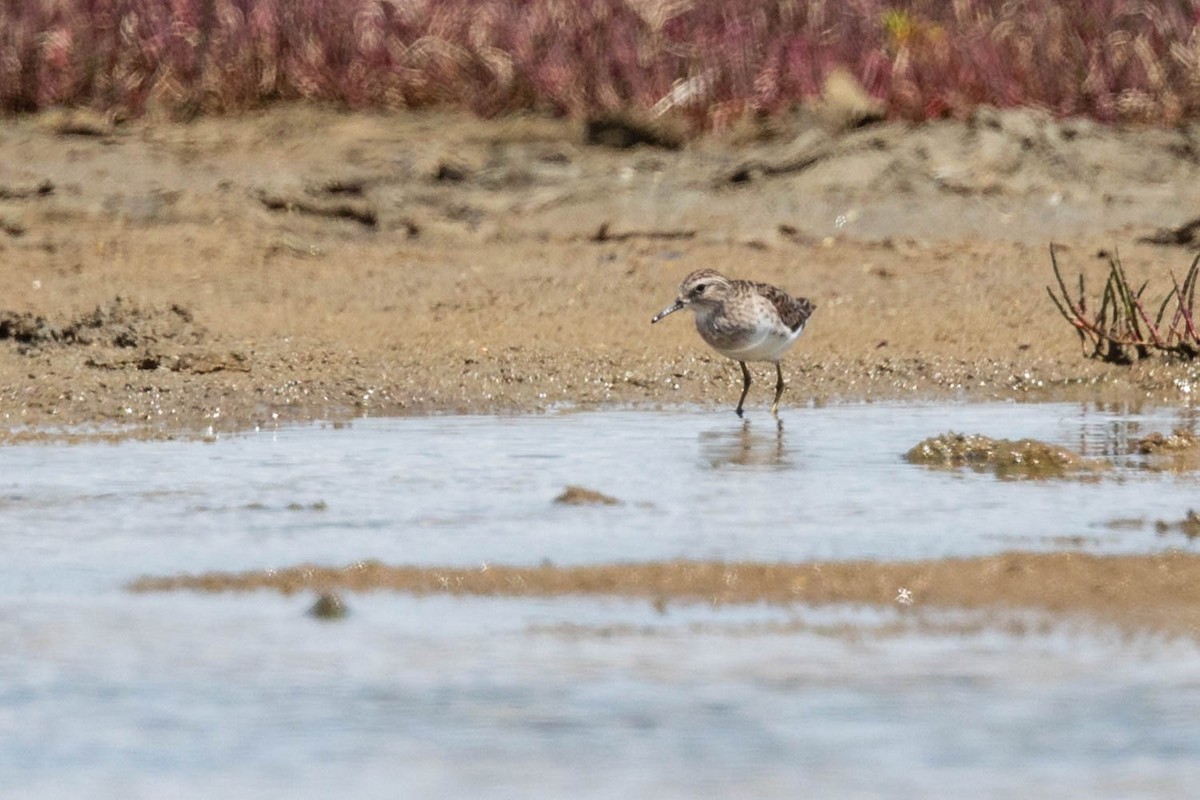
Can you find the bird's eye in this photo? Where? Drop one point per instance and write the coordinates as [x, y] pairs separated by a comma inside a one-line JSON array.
[[698, 289]]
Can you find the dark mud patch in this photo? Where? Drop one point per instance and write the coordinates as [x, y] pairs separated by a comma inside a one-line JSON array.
[[194, 363], [120, 334], [12, 227], [1007, 458], [25, 328], [337, 209], [28, 190], [623, 130], [1160, 591], [1185, 235], [605, 233], [118, 323]]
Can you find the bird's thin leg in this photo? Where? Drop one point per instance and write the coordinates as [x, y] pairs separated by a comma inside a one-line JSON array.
[[745, 387], [778, 389]]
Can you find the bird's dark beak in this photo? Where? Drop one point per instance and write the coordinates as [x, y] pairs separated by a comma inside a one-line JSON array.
[[671, 309]]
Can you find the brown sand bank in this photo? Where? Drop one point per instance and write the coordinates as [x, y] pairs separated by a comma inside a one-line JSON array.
[[1157, 592], [299, 263]]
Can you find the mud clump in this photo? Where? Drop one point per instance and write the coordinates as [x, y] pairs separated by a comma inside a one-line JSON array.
[[26, 329], [120, 334], [118, 323], [581, 496], [1022, 458], [1180, 440], [1178, 451]]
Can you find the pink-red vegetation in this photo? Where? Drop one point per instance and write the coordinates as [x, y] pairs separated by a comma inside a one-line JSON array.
[[711, 60]]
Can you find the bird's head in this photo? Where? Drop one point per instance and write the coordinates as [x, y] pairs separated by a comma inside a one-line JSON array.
[[704, 288]]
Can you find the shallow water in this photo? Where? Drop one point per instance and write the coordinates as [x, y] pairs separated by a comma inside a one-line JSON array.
[[109, 694], [829, 484]]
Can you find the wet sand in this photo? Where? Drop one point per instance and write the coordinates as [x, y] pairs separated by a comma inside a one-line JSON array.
[[300, 264], [166, 279], [1157, 592]]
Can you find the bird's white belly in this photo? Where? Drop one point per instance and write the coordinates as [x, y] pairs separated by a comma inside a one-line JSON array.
[[769, 345]]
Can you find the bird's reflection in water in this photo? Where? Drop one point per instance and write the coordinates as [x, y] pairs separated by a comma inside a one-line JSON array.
[[745, 446]]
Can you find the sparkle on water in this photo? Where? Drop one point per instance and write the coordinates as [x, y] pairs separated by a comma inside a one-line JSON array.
[[110, 694]]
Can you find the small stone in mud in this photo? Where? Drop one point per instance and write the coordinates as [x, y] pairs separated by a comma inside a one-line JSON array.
[[1025, 458], [579, 496], [328, 606]]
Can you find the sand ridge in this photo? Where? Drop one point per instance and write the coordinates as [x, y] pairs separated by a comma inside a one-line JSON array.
[[1159, 592]]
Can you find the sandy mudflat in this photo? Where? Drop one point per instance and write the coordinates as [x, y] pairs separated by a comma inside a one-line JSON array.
[[302, 264]]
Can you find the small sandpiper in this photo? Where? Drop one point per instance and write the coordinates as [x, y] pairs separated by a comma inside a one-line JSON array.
[[743, 320]]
